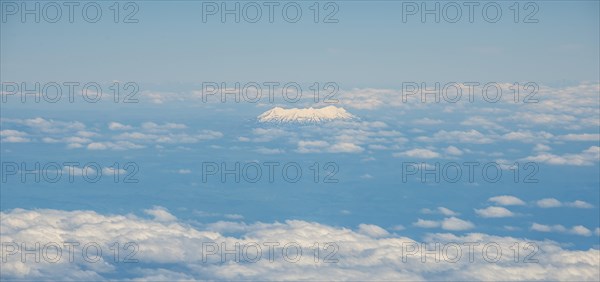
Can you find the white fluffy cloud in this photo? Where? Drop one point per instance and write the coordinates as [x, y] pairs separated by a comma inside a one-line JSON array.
[[507, 200], [456, 224], [449, 223], [118, 126], [440, 210], [13, 136], [451, 150], [586, 157], [580, 137], [554, 203], [471, 136], [345, 147], [172, 250], [494, 212], [418, 154], [323, 146], [576, 230]]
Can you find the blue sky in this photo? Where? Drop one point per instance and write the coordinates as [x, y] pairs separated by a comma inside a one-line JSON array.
[[370, 54], [370, 46]]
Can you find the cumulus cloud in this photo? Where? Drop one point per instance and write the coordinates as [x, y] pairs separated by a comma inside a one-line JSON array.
[[118, 126], [170, 249], [75, 135], [481, 122], [323, 146], [586, 157], [579, 204], [372, 230], [160, 214], [527, 136], [119, 145], [345, 147], [267, 151], [426, 223], [575, 230], [171, 138], [449, 223], [507, 200], [418, 154], [151, 126], [541, 147], [428, 121], [554, 203], [13, 136], [472, 136], [269, 134], [311, 146], [548, 203], [456, 224], [494, 212], [113, 171], [580, 137], [451, 150], [51, 126], [440, 210]]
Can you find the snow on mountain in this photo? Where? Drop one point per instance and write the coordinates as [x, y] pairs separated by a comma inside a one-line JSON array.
[[310, 115]]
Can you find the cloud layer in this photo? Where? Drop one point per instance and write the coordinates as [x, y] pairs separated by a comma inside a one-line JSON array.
[[170, 249]]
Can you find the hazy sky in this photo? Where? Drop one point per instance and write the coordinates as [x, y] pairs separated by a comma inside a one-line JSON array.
[[370, 46]]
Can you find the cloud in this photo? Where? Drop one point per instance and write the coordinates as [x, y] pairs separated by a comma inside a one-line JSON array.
[[586, 157], [494, 212], [581, 230], [118, 126], [366, 176], [154, 127], [269, 134], [527, 136], [428, 121], [345, 147], [481, 122], [451, 150], [311, 146], [170, 249], [456, 224], [112, 171], [160, 214], [507, 200], [450, 223], [323, 146], [554, 203], [472, 136], [418, 153], [48, 126], [579, 204], [575, 230], [541, 147], [119, 146], [267, 151], [13, 136], [446, 211], [549, 203], [580, 137], [426, 223], [372, 230], [440, 210], [170, 138]]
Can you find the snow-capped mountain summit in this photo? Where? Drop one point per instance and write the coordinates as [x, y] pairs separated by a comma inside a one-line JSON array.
[[310, 115]]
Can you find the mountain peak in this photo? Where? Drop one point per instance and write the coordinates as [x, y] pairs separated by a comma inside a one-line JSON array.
[[304, 115]]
